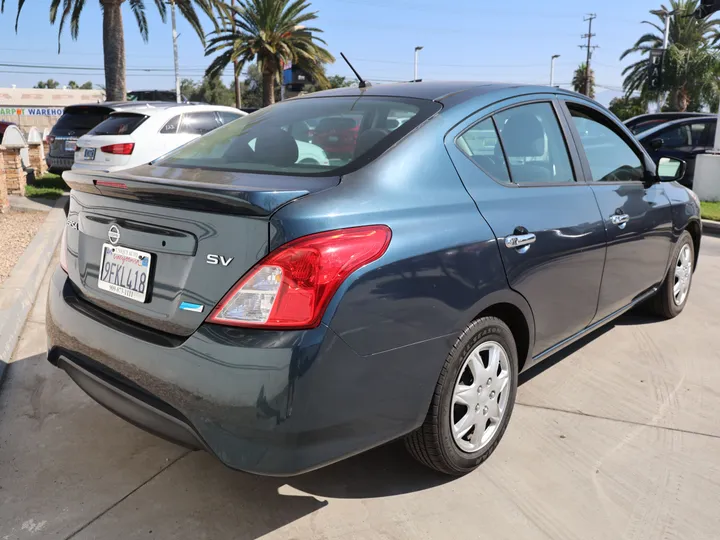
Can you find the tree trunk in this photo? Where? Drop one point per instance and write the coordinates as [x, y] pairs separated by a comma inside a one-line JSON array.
[[268, 88], [113, 50]]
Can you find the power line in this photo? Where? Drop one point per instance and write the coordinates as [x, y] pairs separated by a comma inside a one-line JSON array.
[[590, 48]]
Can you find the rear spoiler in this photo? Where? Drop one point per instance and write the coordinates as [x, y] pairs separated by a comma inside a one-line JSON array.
[[230, 192]]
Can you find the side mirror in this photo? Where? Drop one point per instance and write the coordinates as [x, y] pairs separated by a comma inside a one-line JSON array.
[[670, 169], [656, 144]]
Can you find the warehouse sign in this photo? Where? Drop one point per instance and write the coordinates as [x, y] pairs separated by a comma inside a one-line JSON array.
[[32, 111]]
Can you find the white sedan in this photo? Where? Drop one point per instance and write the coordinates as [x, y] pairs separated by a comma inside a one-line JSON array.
[[142, 132]]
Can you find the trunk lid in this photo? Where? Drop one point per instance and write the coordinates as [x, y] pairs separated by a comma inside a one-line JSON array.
[[202, 230]]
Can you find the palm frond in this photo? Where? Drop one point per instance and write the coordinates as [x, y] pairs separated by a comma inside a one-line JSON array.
[[138, 9]]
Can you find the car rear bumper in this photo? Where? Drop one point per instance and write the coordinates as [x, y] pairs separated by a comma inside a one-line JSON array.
[[59, 163], [266, 402]]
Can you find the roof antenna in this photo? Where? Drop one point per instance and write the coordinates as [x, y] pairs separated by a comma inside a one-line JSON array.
[[363, 83]]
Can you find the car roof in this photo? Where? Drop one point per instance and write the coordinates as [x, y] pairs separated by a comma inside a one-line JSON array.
[[681, 121], [658, 116], [435, 90], [152, 108]]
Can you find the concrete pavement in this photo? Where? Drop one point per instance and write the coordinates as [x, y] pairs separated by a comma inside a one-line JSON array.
[[617, 438]]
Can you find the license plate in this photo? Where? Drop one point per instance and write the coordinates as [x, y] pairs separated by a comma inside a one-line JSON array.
[[89, 154], [70, 146], [124, 271]]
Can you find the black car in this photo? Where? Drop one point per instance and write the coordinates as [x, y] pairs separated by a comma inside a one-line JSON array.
[[285, 314], [682, 139], [643, 122]]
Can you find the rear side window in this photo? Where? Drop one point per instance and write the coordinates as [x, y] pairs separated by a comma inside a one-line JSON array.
[[285, 138], [198, 123], [171, 126], [482, 144], [81, 118], [119, 124], [534, 144]]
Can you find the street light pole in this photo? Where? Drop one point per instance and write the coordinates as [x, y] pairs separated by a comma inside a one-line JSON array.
[[552, 69], [415, 71], [236, 78], [175, 51]]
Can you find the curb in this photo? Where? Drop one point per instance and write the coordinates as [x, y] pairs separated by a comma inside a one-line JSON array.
[[711, 227], [18, 292]]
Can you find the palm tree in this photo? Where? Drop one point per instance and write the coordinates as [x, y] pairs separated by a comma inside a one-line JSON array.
[[579, 79], [113, 35], [270, 33], [690, 53]]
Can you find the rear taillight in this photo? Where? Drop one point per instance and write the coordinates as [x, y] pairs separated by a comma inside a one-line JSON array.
[[63, 250], [123, 149], [51, 139], [292, 286]]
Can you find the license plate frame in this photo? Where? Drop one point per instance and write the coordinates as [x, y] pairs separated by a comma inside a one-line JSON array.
[[89, 154], [125, 278], [70, 146]]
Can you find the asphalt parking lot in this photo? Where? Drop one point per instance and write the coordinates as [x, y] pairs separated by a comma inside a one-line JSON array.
[[618, 438]]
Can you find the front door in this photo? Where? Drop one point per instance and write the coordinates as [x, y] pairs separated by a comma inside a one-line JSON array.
[[549, 230], [637, 217]]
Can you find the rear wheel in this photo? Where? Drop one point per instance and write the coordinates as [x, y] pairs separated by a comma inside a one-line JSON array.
[[670, 300], [473, 400]]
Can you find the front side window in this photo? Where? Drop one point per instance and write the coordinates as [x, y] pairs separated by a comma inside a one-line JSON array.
[[611, 159], [676, 136], [198, 123], [481, 144], [534, 144], [307, 136], [226, 116]]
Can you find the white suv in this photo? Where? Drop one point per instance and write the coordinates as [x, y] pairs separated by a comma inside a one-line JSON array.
[[141, 133]]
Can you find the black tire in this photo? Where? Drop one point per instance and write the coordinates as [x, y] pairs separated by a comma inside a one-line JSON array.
[[663, 303], [433, 443]]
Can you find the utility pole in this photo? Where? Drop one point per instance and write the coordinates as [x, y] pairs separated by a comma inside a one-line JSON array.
[[590, 48], [236, 78], [175, 51]]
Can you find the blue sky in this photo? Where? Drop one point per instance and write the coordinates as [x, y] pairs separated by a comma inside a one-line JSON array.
[[462, 39]]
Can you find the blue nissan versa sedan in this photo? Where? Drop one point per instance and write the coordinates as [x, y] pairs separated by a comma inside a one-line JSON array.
[[285, 310]]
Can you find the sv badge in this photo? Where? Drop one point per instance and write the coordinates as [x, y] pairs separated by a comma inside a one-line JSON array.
[[218, 259]]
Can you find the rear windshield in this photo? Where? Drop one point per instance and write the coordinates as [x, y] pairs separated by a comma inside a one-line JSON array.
[[82, 118], [119, 124], [307, 136]]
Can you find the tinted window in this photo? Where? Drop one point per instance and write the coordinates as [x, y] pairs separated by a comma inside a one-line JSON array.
[[171, 126], [534, 144], [227, 117], [481, 144], [275, 139], [198, 123], [676, 136], [611, 158], [119, 124], [79, 118]]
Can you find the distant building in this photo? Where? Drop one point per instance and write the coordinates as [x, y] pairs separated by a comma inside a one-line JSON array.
[[41, 107]]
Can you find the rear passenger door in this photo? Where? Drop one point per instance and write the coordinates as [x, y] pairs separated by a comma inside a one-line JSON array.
[[637, 216], [523, 172]]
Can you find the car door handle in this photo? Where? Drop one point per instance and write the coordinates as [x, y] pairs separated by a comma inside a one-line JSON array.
[[620, 220], [522, 241]]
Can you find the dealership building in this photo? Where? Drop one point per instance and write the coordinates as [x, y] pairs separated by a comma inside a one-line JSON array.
[[40, 107]]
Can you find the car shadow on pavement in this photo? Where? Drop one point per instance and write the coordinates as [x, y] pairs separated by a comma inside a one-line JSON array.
[[632, 318]]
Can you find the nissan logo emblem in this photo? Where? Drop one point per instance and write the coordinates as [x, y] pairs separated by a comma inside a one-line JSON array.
[[114, 234]]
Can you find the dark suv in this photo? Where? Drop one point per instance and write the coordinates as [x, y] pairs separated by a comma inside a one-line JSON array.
[[285, 313], [682, 139]]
